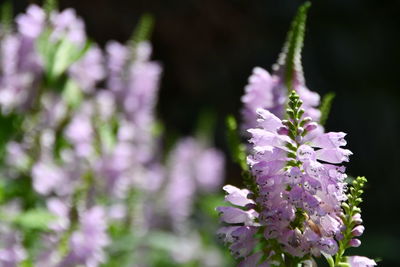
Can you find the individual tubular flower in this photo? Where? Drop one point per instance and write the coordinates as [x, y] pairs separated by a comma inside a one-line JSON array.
[[244, 218], [32, 23], [300, 188], [359, 261]]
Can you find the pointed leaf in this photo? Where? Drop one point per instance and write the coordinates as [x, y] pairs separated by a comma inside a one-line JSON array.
[[6, 17], [36, 219], [143, 30], [325, 107], [50, 5]]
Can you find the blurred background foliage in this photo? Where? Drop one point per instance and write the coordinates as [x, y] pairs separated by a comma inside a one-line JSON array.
[[209, 47]]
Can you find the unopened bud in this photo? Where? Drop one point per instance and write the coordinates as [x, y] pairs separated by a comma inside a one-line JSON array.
[[300, 130], [283, 130], [357, 218], [354, 243], [311, 126], [299, 139], [358, 230], [339, 236], [301, 112]]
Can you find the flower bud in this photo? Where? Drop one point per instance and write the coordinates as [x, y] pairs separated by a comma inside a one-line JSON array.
[[251, 206], [307, 120], [357, 218], [354, 243], [300, 130], [358, 230], [311, 126], [300, 113], [283, 130], [339, 236]]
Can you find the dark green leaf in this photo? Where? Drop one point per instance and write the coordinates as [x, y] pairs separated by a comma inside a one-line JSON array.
[[6, 19], [325, 107]]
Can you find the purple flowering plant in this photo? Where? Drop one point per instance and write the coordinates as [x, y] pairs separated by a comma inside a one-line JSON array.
[[298, 203], [85, 178]]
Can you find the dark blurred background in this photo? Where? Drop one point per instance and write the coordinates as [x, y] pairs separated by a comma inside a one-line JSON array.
[[209, 47]]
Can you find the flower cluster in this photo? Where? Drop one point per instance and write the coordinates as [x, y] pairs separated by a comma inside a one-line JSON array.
[[87, 153], [300, 189], [269, 92], [295, 206]]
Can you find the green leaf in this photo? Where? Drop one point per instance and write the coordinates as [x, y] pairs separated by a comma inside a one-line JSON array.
[[36, 219], [157, 129], [107, 136], [58, 56], [329, 259], [143, 30], [205, 126], [2, 191], [325, 107], [209, 202], [26, 263], [289, 62], [72, 94], [50, 5], [6, 16], [65, 55], [11, 125], [237, 149]]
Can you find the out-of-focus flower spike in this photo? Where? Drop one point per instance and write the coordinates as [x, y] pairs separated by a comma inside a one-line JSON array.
[[325, 107], [289, 62]]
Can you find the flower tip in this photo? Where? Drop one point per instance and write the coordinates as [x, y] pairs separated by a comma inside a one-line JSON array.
[[354, 242]]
